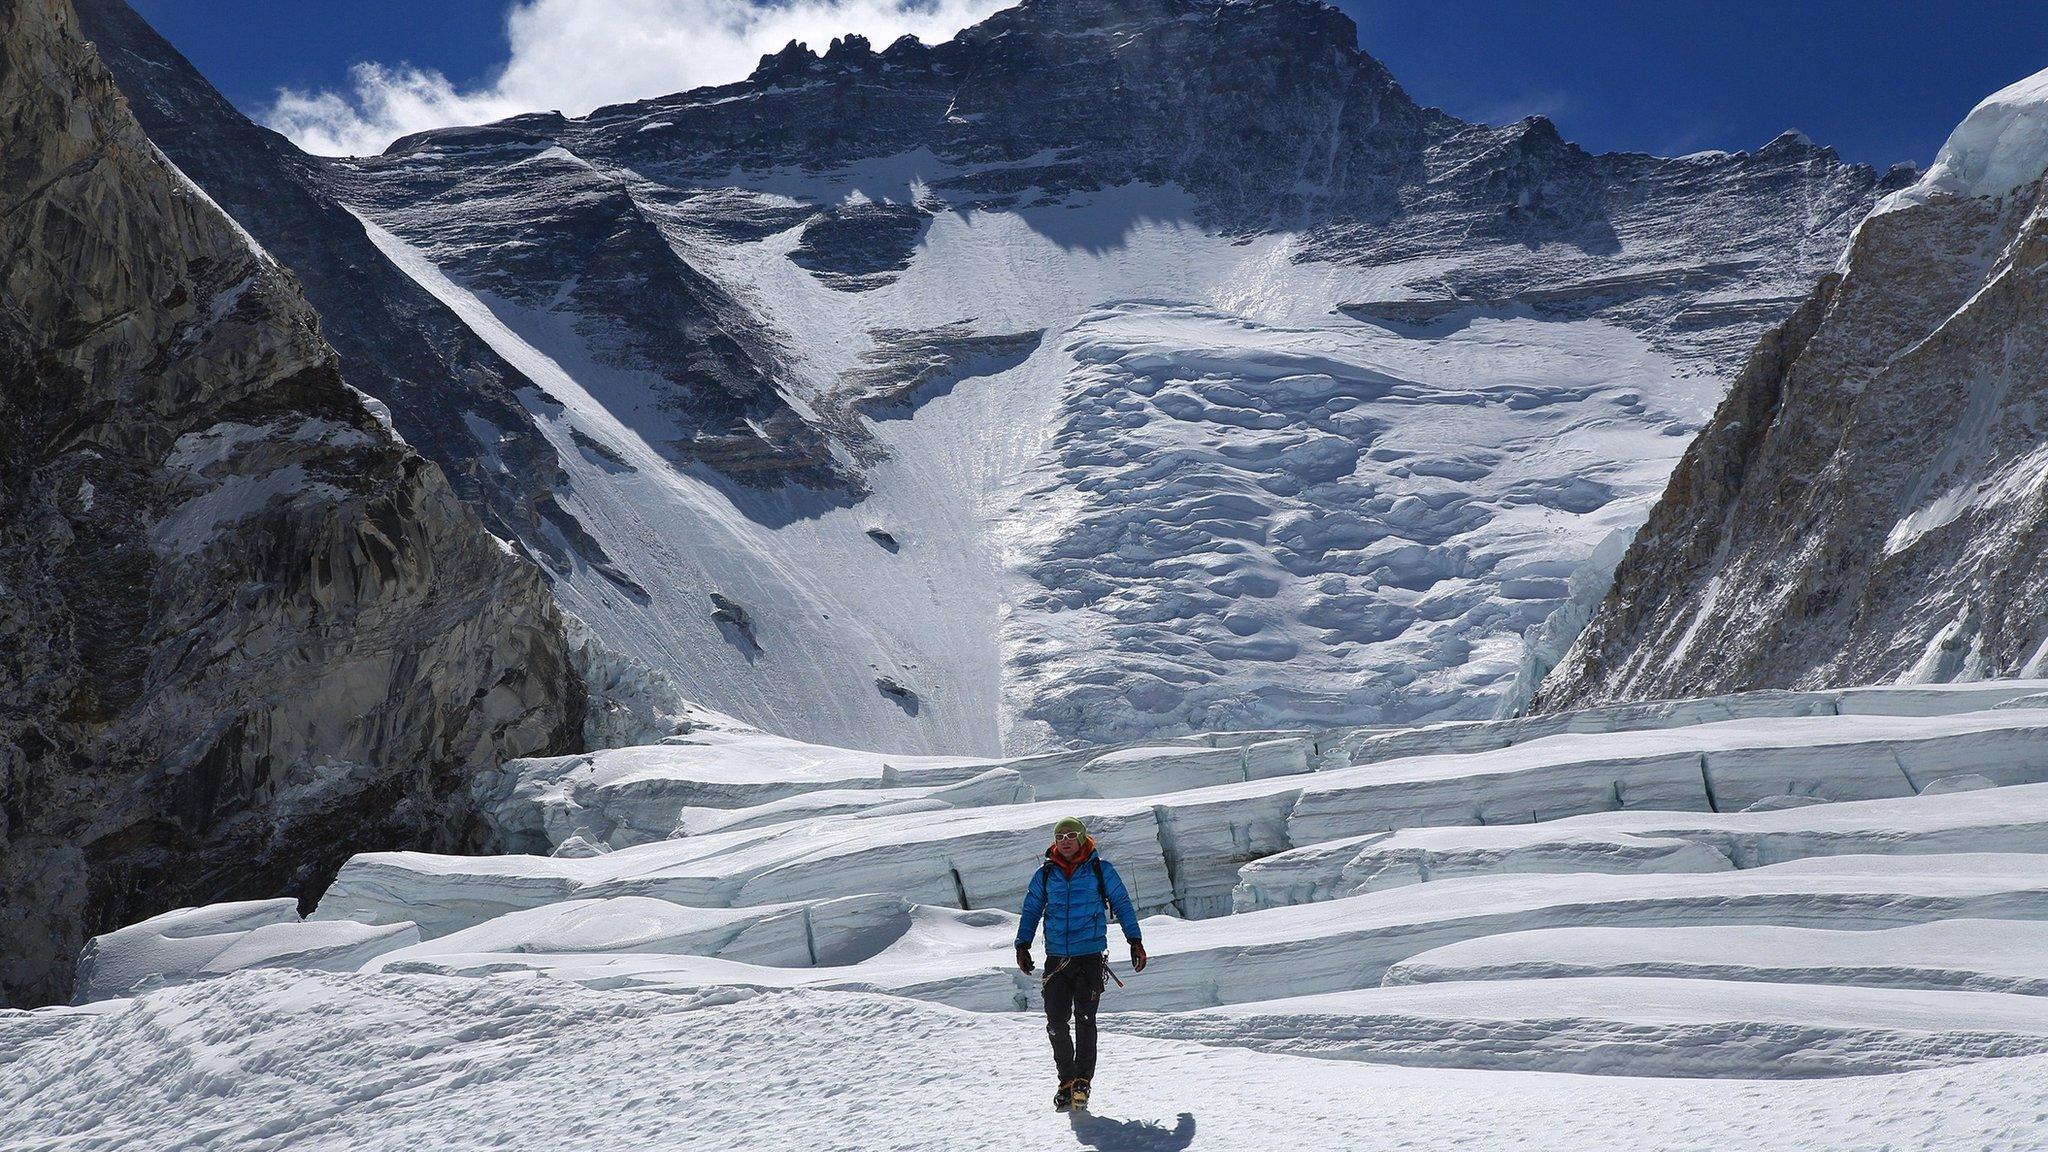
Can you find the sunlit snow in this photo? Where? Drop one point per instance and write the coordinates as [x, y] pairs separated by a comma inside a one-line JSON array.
[[1423, 945]]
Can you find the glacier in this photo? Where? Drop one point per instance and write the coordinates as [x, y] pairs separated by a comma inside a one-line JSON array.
[[1395, 929]]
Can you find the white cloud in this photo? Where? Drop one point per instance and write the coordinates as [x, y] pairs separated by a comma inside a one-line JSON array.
[[574, 55]]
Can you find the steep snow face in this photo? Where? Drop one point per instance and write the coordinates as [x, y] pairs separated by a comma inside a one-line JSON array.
[[2001, 146], [1217, 501], [1112, 370], [1868, 503]]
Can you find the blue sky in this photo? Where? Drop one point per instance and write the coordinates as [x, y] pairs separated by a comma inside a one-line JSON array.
[[1881, 81]]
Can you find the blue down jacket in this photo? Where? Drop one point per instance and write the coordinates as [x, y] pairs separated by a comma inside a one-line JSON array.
[[1075, 924]]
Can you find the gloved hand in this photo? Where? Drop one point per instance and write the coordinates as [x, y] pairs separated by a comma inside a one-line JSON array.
[[1024, 957], [1137, 955]]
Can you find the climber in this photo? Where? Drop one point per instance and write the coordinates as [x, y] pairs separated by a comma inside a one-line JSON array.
[[1069, 891]]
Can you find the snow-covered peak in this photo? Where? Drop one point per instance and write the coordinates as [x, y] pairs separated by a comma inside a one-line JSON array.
[[2001, 145]]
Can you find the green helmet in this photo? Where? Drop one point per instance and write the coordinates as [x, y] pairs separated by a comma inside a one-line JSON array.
[[1070, 824]]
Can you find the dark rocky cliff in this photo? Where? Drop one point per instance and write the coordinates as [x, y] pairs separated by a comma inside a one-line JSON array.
[[453, 399], [1867, 503], [244, 631]]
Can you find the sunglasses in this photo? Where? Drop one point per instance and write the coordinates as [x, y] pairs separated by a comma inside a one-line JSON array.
[[1068, 836]]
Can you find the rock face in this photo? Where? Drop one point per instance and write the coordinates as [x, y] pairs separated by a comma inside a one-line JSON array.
[[1868, 503], [453, 399], [1204, 377], [244, 631]]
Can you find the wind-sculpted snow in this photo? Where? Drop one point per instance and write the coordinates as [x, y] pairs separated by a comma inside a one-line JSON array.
[[197, 943], [1335, 946], [1637, 1027], [962, 958], [1338, 945], [723, 775], [967, 859], [377, 1063], [1996, 819], [633, 795], [940, 831], [995, 786], [1973, 955], [726, 776], [829, 932]]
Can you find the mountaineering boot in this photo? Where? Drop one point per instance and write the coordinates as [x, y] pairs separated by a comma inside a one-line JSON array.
[[1077, 1096], [1064, 1097]]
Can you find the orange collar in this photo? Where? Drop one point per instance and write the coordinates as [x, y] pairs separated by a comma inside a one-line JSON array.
[[1070, 867]]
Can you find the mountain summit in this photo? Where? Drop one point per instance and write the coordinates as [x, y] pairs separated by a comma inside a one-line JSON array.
[[1109, 370]]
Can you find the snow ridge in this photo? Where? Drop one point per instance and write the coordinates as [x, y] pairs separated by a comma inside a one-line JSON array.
[[2002, 145]]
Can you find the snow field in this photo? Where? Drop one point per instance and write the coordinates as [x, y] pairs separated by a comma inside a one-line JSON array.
[[1453, 923], [318, 1061], [195, 943]]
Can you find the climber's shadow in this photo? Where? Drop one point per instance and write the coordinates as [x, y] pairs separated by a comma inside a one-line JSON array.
[[1131, 1135]]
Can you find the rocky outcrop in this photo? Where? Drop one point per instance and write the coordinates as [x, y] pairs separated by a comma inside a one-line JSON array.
[[452, 398], [1868, 504], [244, 631]]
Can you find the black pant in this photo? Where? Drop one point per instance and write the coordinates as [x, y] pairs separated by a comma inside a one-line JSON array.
[[1073, 988]]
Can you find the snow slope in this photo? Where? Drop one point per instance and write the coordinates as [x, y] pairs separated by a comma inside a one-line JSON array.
[[1110, 372], [1243, 509], [1625, 978]]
